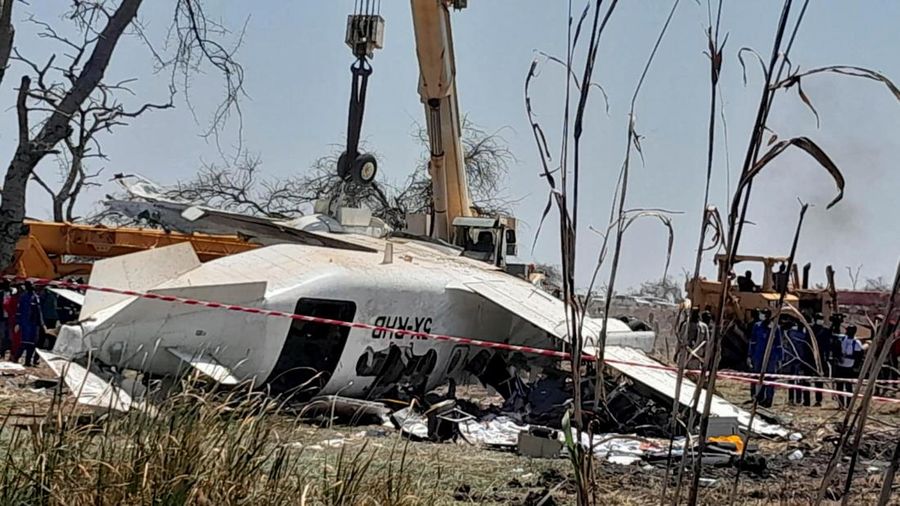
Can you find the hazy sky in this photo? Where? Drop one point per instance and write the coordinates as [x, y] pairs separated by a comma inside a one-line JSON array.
[[297, 81]]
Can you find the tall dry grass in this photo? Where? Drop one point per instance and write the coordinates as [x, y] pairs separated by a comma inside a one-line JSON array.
[[195, 447]]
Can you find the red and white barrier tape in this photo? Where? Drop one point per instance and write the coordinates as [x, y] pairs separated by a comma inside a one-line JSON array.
[[738, 376], [752, 375], [779, 384]]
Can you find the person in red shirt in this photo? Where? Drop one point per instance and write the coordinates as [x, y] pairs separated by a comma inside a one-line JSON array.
[[11, 308], [5, 344]]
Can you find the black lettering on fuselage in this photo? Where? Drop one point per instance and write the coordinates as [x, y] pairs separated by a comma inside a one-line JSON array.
[[403, 326]]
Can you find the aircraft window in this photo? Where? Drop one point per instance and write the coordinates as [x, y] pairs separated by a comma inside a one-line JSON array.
[[312, 351]]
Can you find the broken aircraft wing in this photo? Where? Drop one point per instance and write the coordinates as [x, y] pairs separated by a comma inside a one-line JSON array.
[[70, 295], [188, 218], [639, 367], [624, 348], [549, 313]]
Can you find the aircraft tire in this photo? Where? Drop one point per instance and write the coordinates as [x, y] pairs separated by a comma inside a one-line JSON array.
[[365, 167]]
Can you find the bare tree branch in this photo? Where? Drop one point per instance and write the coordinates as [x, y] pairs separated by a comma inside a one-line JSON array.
[[98, 113], [31, 151], [240, 187], [192, 40]]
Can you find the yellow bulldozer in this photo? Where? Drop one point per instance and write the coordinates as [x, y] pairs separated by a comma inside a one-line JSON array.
[[745, 295]]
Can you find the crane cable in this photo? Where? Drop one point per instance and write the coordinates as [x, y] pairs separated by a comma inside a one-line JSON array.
[[367, 7]]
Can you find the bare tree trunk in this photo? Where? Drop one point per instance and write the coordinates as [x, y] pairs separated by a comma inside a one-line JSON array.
[[9, 229], [69, 190], [30, 152], [12, 207], [7, 33]]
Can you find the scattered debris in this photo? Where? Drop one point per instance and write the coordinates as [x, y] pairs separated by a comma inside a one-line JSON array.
[[493, 431], [539, 442], [795, 455], [8, 368], [333, 408], [661, 381]]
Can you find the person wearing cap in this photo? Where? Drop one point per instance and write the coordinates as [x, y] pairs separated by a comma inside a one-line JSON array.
[[823, 337], [850, 357], [30, 322]]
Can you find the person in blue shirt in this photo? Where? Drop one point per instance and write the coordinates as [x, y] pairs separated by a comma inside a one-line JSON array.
[[30, 322], [798, 357], [759, 338], [757, 329], [50, 315]]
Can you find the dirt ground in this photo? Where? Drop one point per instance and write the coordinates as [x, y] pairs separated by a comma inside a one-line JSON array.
[[458, 473]]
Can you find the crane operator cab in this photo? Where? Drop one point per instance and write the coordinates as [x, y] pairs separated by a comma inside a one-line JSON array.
[[487, 239]]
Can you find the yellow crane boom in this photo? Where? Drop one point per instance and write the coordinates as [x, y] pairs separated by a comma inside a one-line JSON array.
[[40, 252], [437, 89]]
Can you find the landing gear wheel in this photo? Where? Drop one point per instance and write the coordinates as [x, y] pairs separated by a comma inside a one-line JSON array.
[[365, 167], [343, 166]]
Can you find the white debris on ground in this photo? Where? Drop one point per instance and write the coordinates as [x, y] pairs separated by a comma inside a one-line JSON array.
[[628, 449], [10, 367], [411, 423], [496, 431], [624, 449]]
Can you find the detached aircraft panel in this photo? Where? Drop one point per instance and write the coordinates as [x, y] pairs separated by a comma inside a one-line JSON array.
[[87, 387], [139, 271], [70, 295]]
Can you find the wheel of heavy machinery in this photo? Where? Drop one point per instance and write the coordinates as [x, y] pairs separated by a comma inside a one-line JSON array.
[[343, 166], [364, 169]]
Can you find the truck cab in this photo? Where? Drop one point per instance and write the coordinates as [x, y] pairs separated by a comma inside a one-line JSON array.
[[489, 239]]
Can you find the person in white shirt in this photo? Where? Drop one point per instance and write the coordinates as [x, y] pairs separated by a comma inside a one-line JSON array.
[[850, 357]]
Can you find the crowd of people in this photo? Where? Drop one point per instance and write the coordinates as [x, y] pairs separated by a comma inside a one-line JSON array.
[[29, 319], [799, 349]]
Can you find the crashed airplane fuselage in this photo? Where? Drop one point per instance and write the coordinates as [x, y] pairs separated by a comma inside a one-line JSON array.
[[413, 287]]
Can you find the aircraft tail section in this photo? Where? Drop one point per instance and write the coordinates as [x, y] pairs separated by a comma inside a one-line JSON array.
[[249, 294], [139, 271]]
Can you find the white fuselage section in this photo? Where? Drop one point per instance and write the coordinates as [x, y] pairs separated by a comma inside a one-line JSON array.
[[408, 291]]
